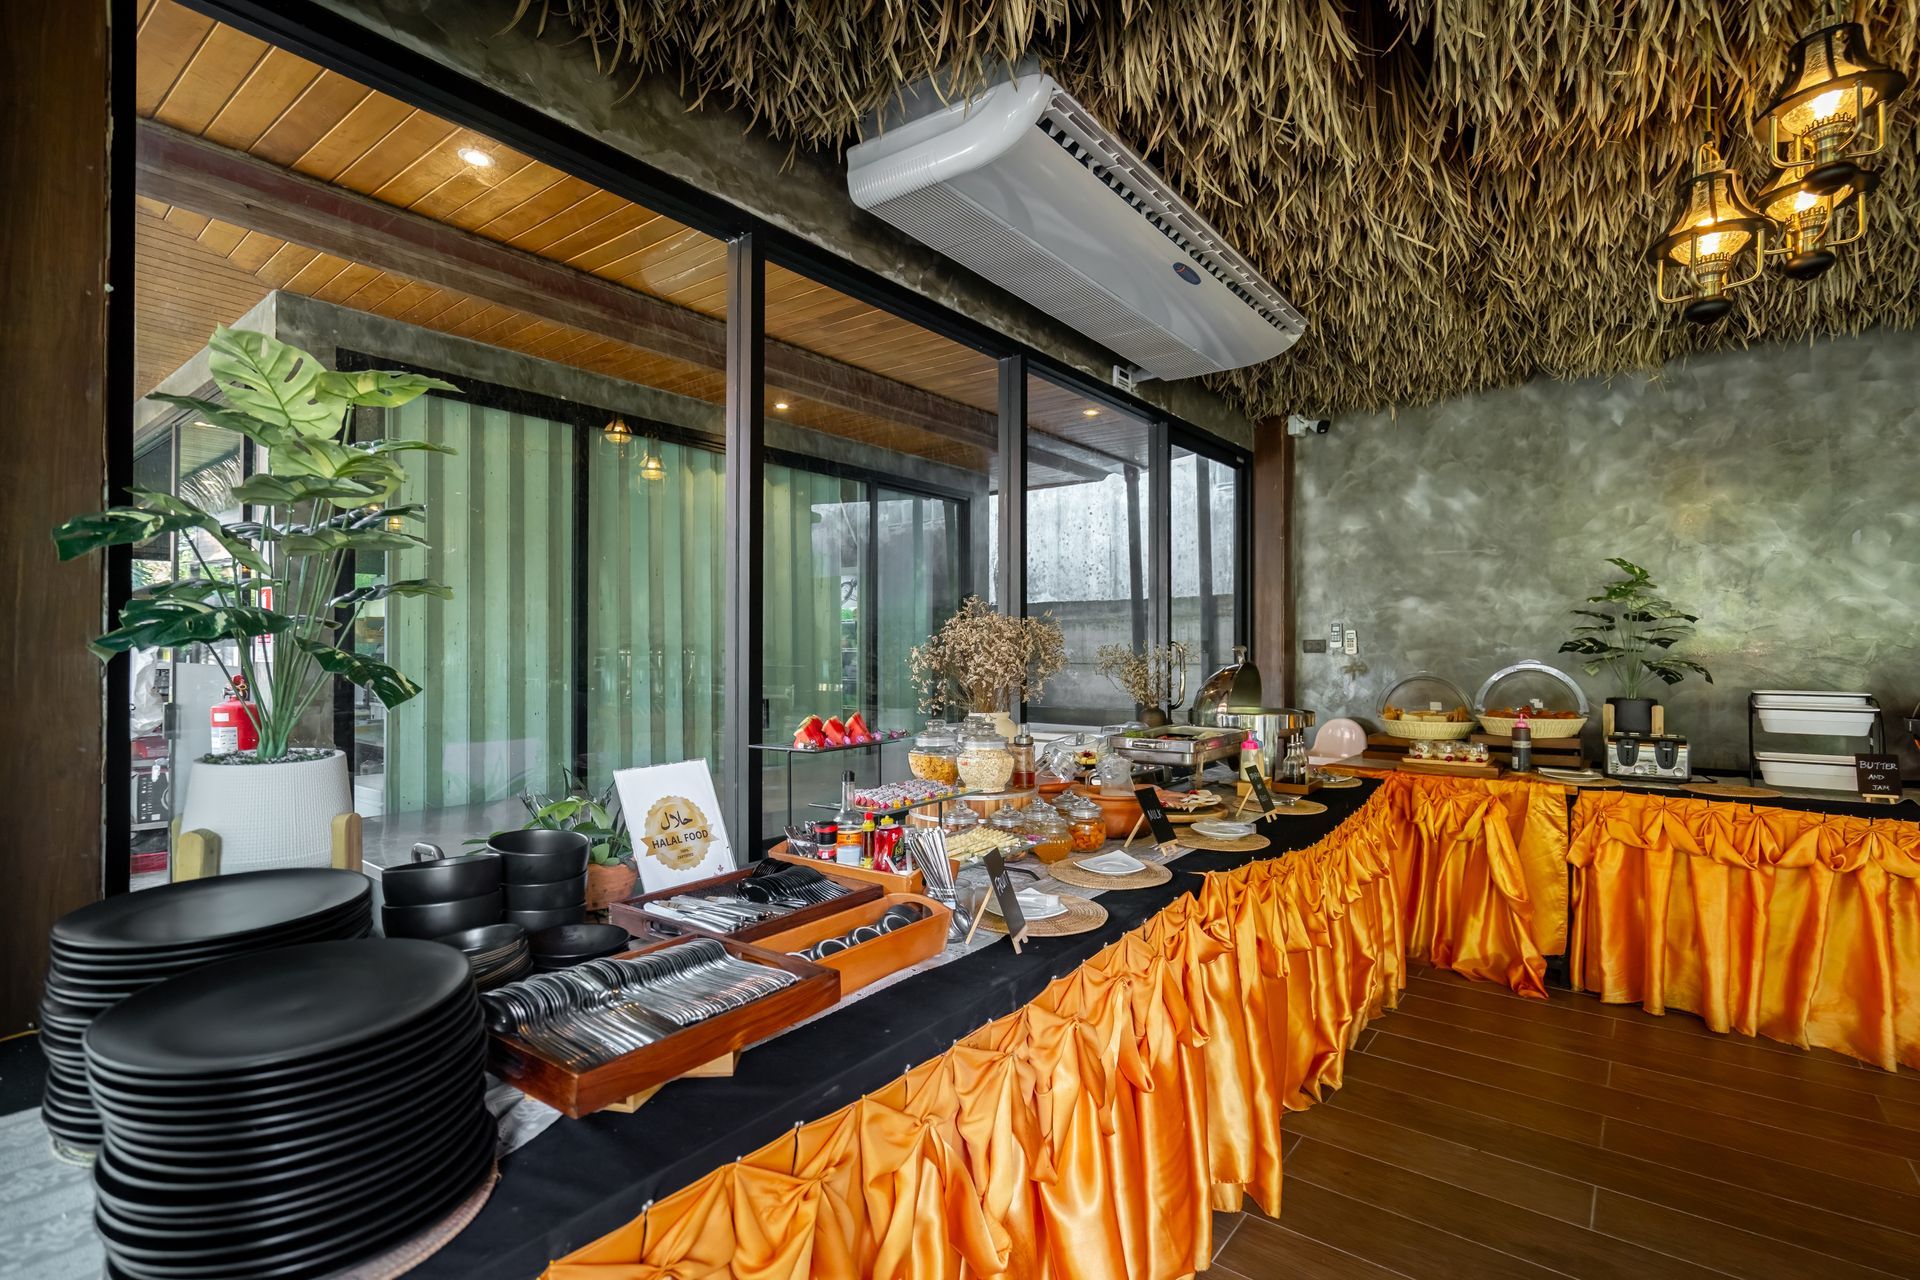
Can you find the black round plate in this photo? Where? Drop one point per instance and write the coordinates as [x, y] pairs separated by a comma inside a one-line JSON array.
[[278, 1007], [181, 1208], [193, 913], [308, 1073], [103, 969], [486, 939], [577, 942], [300, 1092], [242, 1167], [297, 1256], [186, 1138]]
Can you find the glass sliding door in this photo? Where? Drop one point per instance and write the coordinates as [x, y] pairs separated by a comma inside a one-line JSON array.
[[496, 661], [1206, 569], [656, 606], [882, 440], [1088, 506]]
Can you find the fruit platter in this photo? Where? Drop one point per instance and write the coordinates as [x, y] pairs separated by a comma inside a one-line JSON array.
[[831, 733]]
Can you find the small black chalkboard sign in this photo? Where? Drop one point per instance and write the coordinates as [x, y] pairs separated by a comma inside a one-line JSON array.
[[1259, 785], [1878, 777], [1149, 798], [1008, 897]]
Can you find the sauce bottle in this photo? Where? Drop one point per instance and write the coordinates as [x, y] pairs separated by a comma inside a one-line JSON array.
[[1522, 744], [846, 839]]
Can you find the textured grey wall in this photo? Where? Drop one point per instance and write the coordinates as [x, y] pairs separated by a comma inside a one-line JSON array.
[[1775, 492]]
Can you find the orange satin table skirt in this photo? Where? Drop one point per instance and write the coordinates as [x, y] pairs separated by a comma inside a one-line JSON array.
[[1089, 1134], [1802, 927]]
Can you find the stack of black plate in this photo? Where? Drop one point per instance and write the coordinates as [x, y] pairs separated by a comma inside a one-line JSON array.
[[104, 953], [497, 952], [288, 1115]]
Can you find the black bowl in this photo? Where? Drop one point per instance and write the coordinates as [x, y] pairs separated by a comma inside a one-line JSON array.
[[547, 897], [434, 920], [536, 921], [572, 943], [536, 856], [485, 940], [418, 884]]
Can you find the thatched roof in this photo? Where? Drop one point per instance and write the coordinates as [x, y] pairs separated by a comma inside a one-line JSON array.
[[1457, 193]]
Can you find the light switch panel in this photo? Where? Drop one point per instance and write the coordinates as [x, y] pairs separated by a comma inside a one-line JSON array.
[[1313, 646], [1333, 637], [1350, 643]]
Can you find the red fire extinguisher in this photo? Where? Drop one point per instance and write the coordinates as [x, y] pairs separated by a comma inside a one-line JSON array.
[[234, 728]]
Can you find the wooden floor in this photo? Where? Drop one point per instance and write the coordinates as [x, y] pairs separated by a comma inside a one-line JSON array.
[[1483, 1135]]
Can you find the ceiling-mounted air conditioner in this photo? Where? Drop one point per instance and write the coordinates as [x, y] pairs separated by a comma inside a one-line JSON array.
[[1022, 186]]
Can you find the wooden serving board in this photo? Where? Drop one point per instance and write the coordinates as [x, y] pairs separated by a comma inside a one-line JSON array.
[[580, 1093], [1437, 768], [633, 916]]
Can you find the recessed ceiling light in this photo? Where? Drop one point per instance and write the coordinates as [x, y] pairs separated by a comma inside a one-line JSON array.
[[1089, 413], [476, 157], [780, 405]]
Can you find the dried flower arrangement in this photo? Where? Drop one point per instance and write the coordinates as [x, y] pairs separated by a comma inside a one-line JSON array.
[[1148, 678], [982, 660]]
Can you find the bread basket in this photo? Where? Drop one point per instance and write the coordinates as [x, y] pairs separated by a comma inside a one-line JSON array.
[[1421, 691], [1532, 683]]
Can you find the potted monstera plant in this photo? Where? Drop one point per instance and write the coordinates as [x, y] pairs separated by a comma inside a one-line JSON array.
[[278, 593], [1632, 635]]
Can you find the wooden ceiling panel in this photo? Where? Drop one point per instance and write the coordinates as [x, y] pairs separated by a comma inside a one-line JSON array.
[[205, 79]]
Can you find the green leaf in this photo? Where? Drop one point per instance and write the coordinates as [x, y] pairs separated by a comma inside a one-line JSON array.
[[1628, 567], [197, 589], [381, 680], [266, 434], [304, 457], [384, 447], [274, 381], [147, 623], [270, 490], [379, 389], [380, 591], [328, 539], [114, 527]]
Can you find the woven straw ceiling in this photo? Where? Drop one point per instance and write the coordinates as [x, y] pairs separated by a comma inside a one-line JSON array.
[[1458, 195]]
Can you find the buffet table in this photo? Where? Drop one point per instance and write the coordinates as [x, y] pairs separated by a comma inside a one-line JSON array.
[[582, 1179]]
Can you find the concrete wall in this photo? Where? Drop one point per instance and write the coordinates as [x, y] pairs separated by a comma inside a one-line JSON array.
[[716, 150], [1775, 492]]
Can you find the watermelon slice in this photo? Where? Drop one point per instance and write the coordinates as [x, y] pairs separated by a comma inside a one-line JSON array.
[[836, 732], [811, 734], [857, 730]]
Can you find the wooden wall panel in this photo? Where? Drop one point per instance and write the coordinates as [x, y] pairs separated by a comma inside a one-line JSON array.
[[1273, 612], [53, 363]]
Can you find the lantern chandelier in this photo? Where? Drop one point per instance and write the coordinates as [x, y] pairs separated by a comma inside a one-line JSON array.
[[1831, 112]]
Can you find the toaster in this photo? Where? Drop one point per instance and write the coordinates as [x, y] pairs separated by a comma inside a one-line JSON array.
[[1648, 755]]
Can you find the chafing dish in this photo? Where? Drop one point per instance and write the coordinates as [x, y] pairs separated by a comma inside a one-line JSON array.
[[1271, 727], [1235, 685], [1182, 746]]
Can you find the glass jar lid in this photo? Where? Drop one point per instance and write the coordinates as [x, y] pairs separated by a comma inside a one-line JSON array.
[[1044, 819], [1008, 818], [937, 736], [959, 818], [983, 742], [1077, 806]]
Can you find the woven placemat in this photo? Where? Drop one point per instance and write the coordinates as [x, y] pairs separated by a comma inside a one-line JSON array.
[[1298, 809], [1071, 873], [1245, 844], [409, 1254], [1340, 782], [1196, 815], [1081, 916], [1732, 791]]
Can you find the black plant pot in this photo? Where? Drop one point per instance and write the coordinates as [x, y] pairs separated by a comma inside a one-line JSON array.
[[1632, 715]]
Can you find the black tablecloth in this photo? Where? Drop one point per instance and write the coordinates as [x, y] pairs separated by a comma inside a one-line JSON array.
[[582, 1178]]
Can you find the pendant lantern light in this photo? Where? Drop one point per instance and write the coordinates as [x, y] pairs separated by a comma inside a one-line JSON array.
[[651, 468], [1814, 222], [1832, 109], [1702, 250], [618, 434]]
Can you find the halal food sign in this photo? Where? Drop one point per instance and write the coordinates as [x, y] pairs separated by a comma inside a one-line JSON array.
[[678, 831]]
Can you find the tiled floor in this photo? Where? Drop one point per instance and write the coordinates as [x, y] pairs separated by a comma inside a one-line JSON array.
[[1483, 1135]]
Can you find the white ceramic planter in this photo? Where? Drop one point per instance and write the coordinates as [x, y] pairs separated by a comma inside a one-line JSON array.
[[270, 815]]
